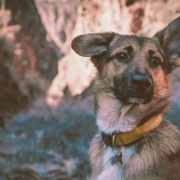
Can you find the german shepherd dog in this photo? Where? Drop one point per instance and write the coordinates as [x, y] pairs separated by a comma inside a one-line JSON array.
[[131, 94]]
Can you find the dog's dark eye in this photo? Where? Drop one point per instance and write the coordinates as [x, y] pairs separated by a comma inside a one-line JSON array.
[[122, 56], [155, 62]]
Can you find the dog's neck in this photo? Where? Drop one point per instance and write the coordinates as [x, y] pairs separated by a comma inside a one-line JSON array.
[[114, 116]]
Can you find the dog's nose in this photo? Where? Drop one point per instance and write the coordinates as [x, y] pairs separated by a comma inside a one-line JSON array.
[[141, 82]]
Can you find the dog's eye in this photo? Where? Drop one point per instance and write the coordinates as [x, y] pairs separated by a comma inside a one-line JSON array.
[[155, 62], [122, 56]]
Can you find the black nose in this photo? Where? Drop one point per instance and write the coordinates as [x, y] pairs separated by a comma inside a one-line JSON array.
[[141, 82]]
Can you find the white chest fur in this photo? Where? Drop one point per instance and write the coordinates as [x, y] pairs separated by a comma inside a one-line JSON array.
[[116, 171]]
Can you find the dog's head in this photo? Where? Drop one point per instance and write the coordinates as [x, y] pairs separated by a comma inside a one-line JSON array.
[[133, 68]]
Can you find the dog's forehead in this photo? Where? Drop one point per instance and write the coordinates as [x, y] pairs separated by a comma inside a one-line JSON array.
[[136, 42]]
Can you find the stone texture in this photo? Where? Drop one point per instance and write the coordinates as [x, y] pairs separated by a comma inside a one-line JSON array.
[[37, 54]]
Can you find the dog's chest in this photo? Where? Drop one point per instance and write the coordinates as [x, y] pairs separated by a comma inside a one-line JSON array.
[[115, 171]]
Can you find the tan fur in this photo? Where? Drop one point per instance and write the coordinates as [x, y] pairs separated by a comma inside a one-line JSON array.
[[121, 107]]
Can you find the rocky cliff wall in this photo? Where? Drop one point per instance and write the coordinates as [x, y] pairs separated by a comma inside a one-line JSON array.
[[65, 20]]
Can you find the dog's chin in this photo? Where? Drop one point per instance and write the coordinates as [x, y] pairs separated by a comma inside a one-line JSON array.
[[134, 97], [138, 100]]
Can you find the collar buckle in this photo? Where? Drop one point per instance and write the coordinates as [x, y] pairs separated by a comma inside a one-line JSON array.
[[113, 140]]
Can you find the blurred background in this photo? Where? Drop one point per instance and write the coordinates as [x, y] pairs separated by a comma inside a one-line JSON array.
[[46, 96]]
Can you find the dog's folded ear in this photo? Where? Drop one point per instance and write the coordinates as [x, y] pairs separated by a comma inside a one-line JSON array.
[[169, 41], [89, 45], [93, 45]]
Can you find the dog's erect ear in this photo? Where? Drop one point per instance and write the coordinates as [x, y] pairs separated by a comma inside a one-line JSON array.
[[92, 45], [169, 40]]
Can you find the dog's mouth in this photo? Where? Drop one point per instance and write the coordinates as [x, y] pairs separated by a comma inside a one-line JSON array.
[[138, 100], [135, 99], [127, 95]]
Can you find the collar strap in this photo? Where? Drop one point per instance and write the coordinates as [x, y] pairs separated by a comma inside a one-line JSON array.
[[121, 139]]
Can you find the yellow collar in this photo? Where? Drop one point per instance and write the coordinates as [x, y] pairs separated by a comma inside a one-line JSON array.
[[121, 139]]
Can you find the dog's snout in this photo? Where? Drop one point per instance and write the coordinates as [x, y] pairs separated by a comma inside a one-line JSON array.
[[141, 82]]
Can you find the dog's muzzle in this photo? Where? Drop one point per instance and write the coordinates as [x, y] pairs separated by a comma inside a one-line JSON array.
[[142, 89], [135, 89]]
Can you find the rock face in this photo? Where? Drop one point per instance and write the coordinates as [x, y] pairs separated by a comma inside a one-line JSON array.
[[37, 54], [126, 17], [12, 97], [58, 18], [27, 59]]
